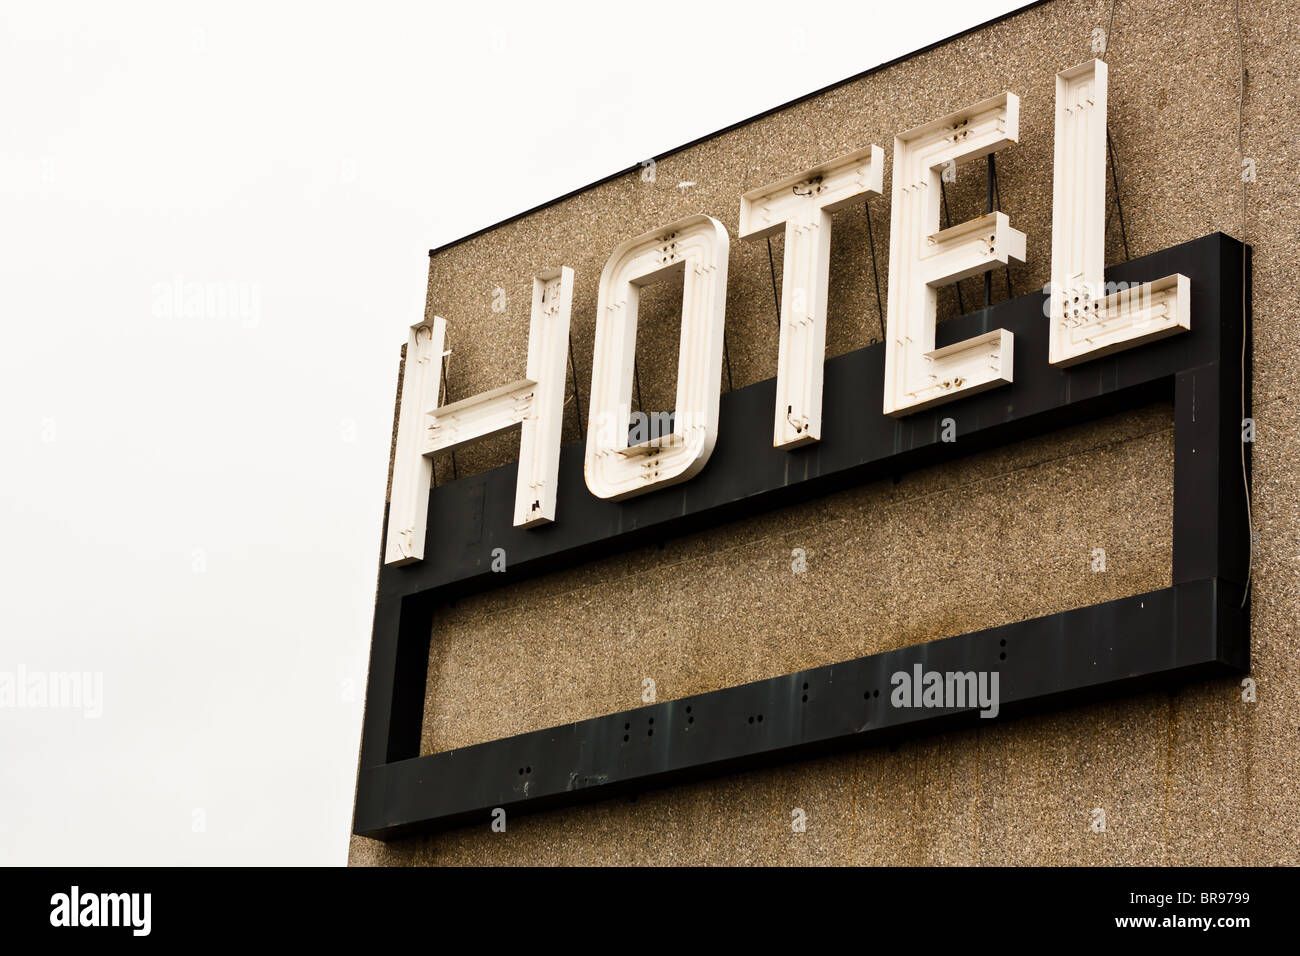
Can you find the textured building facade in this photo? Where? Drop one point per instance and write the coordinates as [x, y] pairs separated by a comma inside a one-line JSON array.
[[1193, 775]]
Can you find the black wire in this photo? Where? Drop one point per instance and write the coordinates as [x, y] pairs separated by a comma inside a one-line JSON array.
[[1109, 25], [441, 383], [947, 222], [997, 198], [1119, 206], [577, 399], [445, 390], [990, 176], [726, 356], [1246, 314], [1110, 149], [771, 264], [875, 274]]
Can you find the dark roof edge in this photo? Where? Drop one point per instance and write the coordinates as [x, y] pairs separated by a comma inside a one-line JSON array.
[[739, 123]]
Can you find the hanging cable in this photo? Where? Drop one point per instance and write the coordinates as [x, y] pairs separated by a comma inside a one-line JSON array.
[[577, 399], [997, 198], [990, 174], [442, 401], [776, 298], [875, 273], [948, 223], [1245, 327], [1105, 50], [1119, 206], [434, 467], [1115, 170], [726, 357]]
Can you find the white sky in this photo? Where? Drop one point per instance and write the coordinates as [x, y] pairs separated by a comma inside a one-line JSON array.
[[192, 489]]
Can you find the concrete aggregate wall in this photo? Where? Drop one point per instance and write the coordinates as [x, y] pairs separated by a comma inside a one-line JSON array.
[[1195, 776]]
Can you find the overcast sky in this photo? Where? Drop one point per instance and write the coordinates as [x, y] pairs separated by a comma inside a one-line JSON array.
[[214, 226]]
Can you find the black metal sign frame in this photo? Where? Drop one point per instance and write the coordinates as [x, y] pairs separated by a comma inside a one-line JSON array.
[[1190, 630]]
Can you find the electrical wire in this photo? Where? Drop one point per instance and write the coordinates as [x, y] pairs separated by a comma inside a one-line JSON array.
[[776, 298], [1116, 168], [577, 399], [1245, 319], [1241, 155], [1109, 25], [875, 272], [947, 224], [446, 388]]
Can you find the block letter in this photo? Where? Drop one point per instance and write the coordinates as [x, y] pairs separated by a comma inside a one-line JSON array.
[[537, 402], [699, 246], [1088, 320], [803, 204], [922, 257]]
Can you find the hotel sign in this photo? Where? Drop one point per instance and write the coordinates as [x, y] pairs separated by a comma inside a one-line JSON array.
[[1094, 341]]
